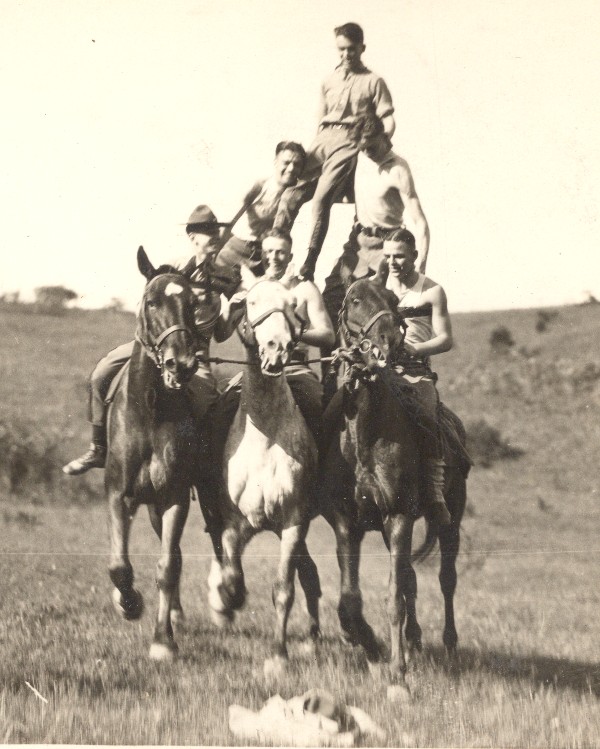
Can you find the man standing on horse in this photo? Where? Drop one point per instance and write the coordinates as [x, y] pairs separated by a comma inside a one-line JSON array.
[[349, 92], [424, 309], [257, 214], [204, 233]]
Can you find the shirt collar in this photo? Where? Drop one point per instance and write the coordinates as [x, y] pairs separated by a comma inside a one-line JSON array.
[[361, 68]]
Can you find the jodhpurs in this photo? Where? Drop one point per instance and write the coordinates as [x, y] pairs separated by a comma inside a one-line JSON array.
[[329, 167]]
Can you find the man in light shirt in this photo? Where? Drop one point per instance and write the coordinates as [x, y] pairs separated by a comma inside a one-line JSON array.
[[351, 91]]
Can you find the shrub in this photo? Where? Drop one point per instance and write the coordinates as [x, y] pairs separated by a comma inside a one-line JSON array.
[[501, 340], [486, 445], [30, 466], [544, 318], [52, 300]]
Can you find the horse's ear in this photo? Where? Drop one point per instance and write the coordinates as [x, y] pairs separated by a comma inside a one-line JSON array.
[[248, 278], [146, 268], [383, 272], [190, 267]]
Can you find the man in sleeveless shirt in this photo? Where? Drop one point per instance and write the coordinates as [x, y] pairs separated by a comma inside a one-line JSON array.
[[423, 305], [258, 212], [316, 330], [384, 191], [351, 91], [203, 230]]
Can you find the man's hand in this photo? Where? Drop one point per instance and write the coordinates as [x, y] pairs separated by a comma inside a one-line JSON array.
[[410, 349]]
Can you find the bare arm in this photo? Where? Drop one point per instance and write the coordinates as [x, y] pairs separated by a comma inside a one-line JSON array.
[[232, 312], [403, 180], [249, 198], [440, 322], [319, 330]]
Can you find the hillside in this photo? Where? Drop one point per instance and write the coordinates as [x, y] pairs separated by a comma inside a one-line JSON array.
[[542, 394]]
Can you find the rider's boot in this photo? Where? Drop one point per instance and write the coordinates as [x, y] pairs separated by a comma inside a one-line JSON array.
[[95, 457], [434, 492]]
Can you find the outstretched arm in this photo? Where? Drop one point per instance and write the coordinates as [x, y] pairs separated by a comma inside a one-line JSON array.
[[403, 180], [232, 311], [319, 330], [249, 198]]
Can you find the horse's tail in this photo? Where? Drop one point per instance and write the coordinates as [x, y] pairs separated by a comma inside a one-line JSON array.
[[428, 545]]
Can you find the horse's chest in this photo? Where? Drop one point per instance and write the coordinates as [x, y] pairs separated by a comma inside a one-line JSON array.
[[262, 478]]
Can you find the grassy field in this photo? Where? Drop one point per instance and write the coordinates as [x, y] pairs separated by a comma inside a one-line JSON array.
[[528, 672]]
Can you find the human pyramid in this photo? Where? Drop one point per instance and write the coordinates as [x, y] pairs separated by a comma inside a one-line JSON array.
[[351, 156]]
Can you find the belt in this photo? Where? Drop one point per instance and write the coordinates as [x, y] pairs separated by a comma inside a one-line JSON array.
[[338, 125], [375, 231]]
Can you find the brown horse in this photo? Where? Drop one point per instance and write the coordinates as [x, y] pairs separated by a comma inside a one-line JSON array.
[[153, 442], [371, 482], [269, 466]]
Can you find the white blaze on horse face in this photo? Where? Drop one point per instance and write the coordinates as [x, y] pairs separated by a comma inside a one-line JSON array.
[[173, 288]]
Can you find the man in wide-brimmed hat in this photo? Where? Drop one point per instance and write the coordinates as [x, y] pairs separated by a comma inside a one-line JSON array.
[[204, 232]]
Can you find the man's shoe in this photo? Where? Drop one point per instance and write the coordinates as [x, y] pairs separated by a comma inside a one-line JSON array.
[[95, 457]]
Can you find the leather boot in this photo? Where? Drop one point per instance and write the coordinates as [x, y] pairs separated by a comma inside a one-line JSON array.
[[434, 492], [95, 457]]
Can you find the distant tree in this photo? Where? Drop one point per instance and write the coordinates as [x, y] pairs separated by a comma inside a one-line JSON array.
[[10, 297], [53, 299], [115, 305], [501, 340], [544, 318]]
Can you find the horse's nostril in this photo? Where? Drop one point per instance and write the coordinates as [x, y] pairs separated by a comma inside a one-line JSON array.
[[171, 364]]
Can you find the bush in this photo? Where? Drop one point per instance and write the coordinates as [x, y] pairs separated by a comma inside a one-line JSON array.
[[486, 445], [544, 318], [501, 340], [30, 466], [52, 300]]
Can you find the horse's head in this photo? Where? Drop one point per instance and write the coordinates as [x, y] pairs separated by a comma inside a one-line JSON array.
[[165, 325], [369, 321], [270, 325]]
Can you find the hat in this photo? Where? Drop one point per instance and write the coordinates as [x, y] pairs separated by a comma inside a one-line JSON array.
[[203, 218]]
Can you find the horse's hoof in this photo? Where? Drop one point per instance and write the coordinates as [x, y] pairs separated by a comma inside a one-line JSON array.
[[398, 693], [275, 668], [177, 617], [163, 653], [130, 609], [222, 619]]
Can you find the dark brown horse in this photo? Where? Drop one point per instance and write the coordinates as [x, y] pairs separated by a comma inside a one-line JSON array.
[[153, 444], [371, 482]]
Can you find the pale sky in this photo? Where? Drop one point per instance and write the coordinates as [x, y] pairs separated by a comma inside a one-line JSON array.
[[120, 116]]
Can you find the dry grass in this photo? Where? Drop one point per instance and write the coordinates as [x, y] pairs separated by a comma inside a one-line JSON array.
[[528, 673]]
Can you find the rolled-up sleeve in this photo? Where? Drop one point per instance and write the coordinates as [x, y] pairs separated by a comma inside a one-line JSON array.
[[382, 99]]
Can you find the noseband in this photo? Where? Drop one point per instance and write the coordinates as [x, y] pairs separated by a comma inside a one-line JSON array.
[[359, 334]]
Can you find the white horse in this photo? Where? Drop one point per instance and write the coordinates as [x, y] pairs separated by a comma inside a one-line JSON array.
[[269, 466]]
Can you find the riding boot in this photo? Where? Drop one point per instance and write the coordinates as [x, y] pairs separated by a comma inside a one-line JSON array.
[[95, 457], [434, 492]]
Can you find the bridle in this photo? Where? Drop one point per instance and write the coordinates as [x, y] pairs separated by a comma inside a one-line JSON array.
[[362, 343], [153, 348], [248, 326]]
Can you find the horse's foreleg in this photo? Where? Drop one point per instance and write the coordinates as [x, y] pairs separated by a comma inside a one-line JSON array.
[[354, 625], [177, 615], [449, 537], [226, 587], [413, 629], [168, 573], [126, 599], [309, 580], [283, 596], [399, 532]]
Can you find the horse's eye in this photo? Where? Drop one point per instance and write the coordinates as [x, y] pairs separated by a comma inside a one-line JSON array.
[[356, 301], [152, 303]]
